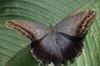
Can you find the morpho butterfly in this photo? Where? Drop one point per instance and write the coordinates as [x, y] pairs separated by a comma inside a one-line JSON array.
[[58, 44]]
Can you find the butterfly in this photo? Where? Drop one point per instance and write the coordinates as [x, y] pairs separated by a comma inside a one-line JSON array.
[[58, 44]]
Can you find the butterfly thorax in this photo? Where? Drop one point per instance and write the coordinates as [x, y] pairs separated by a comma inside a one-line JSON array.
[[53, 32]]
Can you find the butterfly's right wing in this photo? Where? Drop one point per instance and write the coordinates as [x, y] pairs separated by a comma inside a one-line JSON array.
[[69, 34], [33, 31]]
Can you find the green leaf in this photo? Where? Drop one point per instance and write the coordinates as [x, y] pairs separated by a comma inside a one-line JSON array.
[[12, 44]]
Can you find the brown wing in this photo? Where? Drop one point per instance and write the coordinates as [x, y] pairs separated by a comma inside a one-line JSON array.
[[76, 25], [31, 30], [69, 34], [43, 46]]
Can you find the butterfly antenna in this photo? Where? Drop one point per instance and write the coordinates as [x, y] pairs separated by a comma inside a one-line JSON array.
[[53, 17], [46, 19]]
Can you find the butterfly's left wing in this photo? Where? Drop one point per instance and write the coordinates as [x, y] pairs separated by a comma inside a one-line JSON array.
[[43, 47], [69, 34]]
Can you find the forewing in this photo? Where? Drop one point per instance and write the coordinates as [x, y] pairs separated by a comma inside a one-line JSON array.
[[33, 31], [76, 25]]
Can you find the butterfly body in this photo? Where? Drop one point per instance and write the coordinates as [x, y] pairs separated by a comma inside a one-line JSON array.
[[58, 44]]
